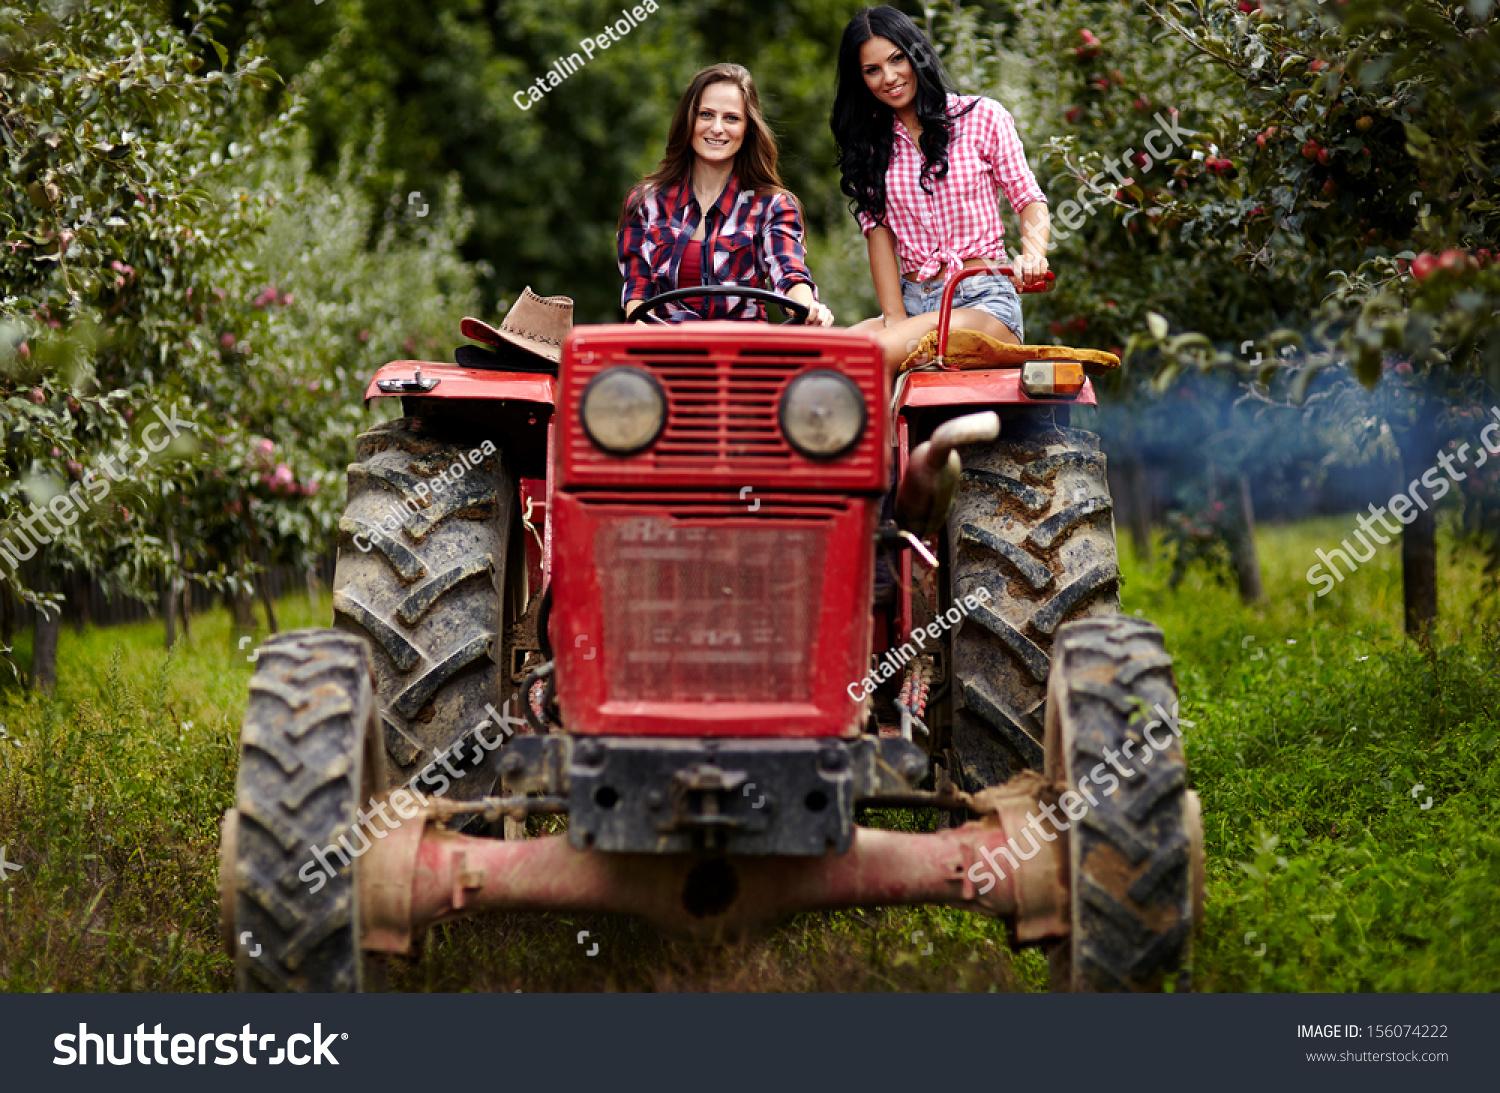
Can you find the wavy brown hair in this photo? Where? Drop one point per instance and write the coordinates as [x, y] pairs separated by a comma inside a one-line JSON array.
[[754, 163]]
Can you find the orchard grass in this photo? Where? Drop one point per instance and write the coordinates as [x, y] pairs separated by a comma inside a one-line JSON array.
[[1313, 721]]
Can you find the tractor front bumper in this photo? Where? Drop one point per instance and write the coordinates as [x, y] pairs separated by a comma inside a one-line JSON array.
[[747, 796]]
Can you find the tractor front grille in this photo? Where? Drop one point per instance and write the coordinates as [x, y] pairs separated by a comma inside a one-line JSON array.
[[723, 409], [710, 611]]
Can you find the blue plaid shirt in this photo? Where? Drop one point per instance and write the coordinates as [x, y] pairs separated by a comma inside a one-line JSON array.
[[752, 241]]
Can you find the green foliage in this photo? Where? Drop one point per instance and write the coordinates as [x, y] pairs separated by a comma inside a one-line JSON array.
[[1355, 134], [547, 181], [111, 132], [1197, 534], [167, 246], [332, 288]]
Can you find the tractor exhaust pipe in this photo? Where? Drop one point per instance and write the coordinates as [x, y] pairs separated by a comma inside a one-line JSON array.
[[932, 475]]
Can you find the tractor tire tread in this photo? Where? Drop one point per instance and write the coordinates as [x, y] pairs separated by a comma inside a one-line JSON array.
[[303, 749], [1131, 858], [1031, 523], [429, 594]]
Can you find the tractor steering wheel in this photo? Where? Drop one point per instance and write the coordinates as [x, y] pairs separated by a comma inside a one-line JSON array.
[[797, 313]]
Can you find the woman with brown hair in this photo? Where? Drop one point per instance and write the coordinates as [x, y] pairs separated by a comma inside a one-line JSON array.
[[714, 212]]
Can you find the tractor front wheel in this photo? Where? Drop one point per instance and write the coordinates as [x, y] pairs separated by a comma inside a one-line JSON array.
[[310, 756], [1136, 853]]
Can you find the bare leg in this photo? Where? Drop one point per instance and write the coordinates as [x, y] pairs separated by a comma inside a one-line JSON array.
[[899, 340]]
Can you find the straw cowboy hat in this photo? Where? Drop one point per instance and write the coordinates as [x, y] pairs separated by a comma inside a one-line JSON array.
[[535, 323]]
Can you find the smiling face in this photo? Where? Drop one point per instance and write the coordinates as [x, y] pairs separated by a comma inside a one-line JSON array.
[[719, 128], [888, 73]]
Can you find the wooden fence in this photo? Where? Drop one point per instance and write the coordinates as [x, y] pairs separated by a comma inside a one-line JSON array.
[[89, 605]]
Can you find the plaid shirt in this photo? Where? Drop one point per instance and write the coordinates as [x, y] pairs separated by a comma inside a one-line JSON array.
[[751, 240], [960, 219]]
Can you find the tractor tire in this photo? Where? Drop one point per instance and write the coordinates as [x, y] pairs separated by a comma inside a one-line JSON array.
[[428, 593], [1031, 522], [310, 755], [1135, 856]]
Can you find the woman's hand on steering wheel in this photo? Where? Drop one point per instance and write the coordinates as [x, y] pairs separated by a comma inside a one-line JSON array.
[[798, 313]]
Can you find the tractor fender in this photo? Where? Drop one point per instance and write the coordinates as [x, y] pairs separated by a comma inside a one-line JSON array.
[[466, 384], [976, 388]]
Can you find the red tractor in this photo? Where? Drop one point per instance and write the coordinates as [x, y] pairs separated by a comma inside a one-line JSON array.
[[671, 593]]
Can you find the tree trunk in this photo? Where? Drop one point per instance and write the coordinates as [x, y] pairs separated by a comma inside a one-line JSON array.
[[78, 595], [263, 578], [241, 601], [168, 608], [1419, 575], [174, 603], [1242, 546], [166, 590], [263, 582], [1419, 538], [243, 606], [1137, 505], [44, 646]]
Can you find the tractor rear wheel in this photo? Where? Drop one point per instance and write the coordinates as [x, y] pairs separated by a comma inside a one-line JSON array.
[[1031, 523], [421, 574], [310, 756], [1136, 853]]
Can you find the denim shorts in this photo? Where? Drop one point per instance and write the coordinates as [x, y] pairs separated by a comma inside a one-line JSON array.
[[989, 292]]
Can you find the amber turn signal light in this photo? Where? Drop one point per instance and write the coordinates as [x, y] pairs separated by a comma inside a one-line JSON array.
[[1049, 379]]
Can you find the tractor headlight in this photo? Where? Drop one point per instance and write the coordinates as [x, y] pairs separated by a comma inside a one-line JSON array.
[[823, 414], [623, 410]]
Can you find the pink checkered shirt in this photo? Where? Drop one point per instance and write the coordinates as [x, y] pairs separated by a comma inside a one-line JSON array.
[[960, 219]]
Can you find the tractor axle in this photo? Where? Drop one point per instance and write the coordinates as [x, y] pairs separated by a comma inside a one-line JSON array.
[[424, 874]]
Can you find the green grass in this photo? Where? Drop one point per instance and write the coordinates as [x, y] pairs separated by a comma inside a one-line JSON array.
[[1313, 720]]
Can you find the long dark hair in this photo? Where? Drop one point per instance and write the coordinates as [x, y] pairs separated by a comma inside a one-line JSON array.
[[862, 124], [754, 163]]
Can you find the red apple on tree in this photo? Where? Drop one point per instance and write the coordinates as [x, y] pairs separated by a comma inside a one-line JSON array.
[[1423, 265]]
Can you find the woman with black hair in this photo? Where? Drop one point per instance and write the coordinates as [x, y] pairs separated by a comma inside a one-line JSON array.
[[921, 166]]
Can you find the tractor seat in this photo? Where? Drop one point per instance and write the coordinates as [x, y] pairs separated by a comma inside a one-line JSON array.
[[971, 349]]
